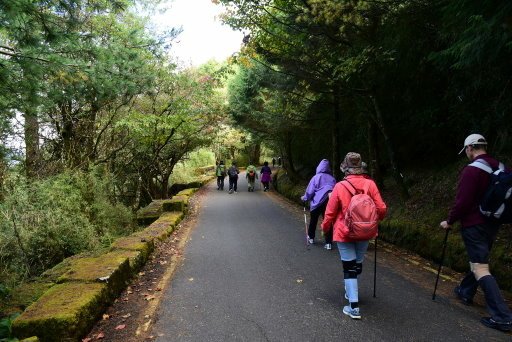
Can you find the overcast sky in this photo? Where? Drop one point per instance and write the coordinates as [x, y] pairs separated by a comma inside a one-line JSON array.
[[203, 37]]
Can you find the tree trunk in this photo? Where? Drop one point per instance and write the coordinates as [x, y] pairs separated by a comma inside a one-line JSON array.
[[336, 158], [164, 191], [288, 159], [31, 144], [373, 150], [391, 152]]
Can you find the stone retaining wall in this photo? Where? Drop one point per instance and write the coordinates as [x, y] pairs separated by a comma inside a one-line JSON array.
[[80, 288]]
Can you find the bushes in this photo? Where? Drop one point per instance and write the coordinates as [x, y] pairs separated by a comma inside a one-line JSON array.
[[43, 222]]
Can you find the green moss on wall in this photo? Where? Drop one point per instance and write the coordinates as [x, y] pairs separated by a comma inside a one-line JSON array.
[[174, 204], [64, 313], [187, 192], [112, 269]]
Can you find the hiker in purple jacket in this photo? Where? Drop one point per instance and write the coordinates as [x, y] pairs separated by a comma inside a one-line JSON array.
[[265, 176], [478, 234], [317, 192]]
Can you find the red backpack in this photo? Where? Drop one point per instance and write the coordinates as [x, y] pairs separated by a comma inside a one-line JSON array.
[[361, 216]]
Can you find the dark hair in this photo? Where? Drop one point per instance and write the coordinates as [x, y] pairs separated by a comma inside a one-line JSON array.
[[479, 146], [265, 163]]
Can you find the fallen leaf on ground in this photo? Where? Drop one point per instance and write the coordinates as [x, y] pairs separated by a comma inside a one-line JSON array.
[[120, 327], [127, 315], [88, 339], [100, 336], [105, 317], [299, 281]]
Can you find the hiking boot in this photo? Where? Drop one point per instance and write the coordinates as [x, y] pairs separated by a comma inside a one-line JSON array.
[[491, 323], [328, 246], [310, 241], [464, 300], [353, 313]]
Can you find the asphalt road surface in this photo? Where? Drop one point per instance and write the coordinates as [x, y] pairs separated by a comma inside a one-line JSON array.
[[248, 276]]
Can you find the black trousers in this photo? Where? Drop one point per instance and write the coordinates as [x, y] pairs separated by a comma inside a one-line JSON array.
[[478, 240], [233, 183], [220, 182], [313, 221]]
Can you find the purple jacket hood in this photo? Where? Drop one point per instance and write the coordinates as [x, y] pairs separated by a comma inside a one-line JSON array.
[[320, 185]]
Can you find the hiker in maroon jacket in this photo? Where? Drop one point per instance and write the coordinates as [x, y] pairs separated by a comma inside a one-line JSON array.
[[478, 234]]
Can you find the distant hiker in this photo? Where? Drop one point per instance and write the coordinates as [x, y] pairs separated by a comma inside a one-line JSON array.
[[220, 172], [317, 192], [279, 161], [233, 177], [273, 162], [338, 216], [478, 234], [251, 176], [265, 173]]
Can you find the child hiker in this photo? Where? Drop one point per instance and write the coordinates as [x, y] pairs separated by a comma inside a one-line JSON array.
[[251, 176]]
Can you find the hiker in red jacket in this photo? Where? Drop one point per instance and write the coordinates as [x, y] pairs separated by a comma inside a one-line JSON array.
[[351, 249]]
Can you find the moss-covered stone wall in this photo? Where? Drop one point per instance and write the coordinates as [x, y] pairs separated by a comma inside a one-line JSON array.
[[64, 303]]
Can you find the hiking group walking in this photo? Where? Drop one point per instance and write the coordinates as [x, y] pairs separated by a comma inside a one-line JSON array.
[[251, 176], [353, 207]]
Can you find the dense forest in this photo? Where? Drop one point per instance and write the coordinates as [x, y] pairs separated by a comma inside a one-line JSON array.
[[403, 82], [96, 113]]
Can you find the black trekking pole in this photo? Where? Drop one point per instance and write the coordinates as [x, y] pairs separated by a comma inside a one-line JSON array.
[[375, 270], [441, 263]]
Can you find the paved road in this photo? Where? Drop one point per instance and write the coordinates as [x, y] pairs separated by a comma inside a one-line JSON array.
[[247, 276]]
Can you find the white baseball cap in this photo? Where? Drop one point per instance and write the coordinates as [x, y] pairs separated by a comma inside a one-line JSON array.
[[473, 139]]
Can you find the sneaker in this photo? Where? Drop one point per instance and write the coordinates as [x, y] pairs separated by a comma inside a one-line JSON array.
[[464, 300], [230, 191], [328, 246], [353, 313], [310, 241], [491, 323]]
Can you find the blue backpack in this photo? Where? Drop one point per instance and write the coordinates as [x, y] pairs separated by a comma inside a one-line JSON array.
[[496, 205]]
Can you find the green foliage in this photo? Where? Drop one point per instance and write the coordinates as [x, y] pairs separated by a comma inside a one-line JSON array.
[[45, 221], [184, 171], [4, 291], [6, 329], [317, 71]]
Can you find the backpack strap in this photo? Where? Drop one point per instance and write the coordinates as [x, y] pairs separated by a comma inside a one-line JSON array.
[[483, 165], [353, 187]]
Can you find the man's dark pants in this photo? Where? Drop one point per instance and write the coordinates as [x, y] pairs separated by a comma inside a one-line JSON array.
[[478, 240]]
